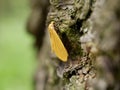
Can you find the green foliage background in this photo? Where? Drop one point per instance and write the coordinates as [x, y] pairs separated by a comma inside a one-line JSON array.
[[17, 60]]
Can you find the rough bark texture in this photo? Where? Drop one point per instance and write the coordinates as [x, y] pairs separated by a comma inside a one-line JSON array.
[[90, 32]]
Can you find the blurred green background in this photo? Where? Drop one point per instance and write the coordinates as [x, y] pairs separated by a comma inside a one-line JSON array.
[[17, 55]]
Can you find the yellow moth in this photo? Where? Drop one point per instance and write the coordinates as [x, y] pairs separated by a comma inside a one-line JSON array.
[[56, 43]]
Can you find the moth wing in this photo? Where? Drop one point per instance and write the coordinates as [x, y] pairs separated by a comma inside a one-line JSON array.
[[57, 46]]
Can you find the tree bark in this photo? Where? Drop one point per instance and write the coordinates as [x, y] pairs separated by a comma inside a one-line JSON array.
[[89, 30]]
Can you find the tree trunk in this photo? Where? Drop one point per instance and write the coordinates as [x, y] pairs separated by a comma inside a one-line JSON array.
[[89, 30]]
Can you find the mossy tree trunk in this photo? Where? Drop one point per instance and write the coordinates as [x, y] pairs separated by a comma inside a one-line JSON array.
[[90, 31]]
